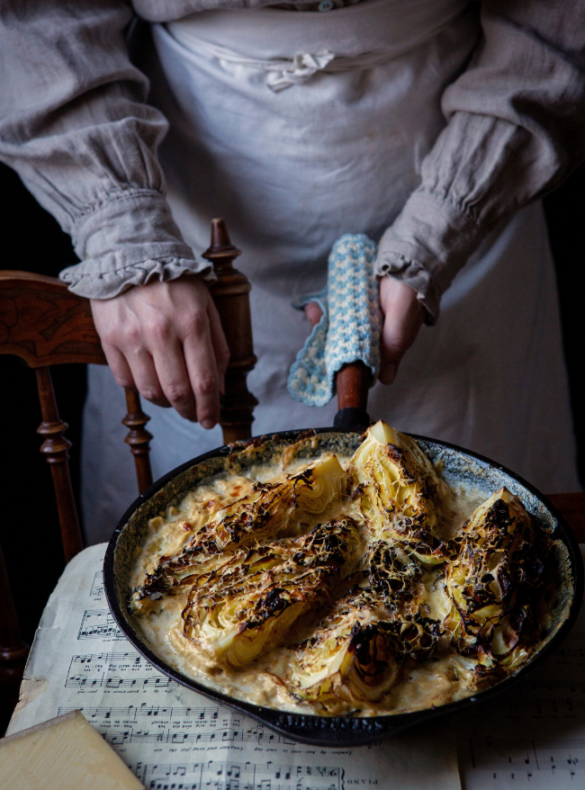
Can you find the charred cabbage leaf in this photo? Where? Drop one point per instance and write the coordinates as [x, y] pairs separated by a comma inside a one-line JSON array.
[[395, 578], [400, 490], [491, 578], [271, 509], [248, 604], [349, 659], [357, 652]]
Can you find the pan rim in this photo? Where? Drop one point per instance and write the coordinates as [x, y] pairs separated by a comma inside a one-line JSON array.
[[342, 731]]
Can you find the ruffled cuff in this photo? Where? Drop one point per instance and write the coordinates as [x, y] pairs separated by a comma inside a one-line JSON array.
[[427, 245], [129, 241]]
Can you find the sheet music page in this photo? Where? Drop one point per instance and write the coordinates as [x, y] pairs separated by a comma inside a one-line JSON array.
[[173, 738]]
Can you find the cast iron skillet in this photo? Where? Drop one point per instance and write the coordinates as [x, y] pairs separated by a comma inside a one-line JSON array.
[[457, 465]]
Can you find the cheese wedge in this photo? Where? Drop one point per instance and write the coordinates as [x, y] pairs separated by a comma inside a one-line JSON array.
[[65, 753]]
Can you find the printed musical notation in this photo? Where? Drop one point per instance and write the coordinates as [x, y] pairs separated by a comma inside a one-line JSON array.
[[520, 756], [174, 738], [113, 671], [227, 736], [118, 738], [97, 586], [152, 712], [238, 776], [99, 624], [177, 726]]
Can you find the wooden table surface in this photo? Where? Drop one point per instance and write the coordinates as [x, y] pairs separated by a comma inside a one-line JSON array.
[[572, 507]]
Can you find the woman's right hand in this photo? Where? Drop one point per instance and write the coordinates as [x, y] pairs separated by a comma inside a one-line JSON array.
[[403, 317], [165, 339]]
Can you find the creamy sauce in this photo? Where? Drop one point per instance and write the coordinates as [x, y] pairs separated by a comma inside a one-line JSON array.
[[444, 678]]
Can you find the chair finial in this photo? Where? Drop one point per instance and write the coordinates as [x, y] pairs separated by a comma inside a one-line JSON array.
[[230, 294]]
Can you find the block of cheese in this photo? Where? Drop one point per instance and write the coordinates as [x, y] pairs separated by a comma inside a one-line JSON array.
[[65, 753]]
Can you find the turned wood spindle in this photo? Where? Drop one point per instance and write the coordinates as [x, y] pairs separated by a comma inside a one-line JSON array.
[[230, 294], [55, 448], [138, 438]]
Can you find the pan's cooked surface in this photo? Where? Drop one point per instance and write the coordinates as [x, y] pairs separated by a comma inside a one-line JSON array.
[[360, 585]]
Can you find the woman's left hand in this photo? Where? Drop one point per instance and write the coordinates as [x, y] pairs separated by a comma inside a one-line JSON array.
[[403, 317]]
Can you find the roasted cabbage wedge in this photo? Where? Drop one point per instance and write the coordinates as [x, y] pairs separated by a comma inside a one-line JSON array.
[[274, 508], [497, 564], [248, 604], [358, 650], [400, 491], [349, 659]]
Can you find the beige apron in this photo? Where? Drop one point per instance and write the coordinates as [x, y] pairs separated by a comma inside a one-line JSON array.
[[298, 127]]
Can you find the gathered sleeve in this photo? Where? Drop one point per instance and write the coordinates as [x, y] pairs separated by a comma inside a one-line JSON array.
[[515, 129], [75, 125]]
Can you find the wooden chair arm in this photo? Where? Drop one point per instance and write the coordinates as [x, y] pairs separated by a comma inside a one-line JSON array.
[[45, 324]]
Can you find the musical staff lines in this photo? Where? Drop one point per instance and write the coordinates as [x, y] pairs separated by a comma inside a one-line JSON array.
[[97, 586], [527, 757], [223, 736], [238, 776], [177, 726], [534, 736], [98, 624], [152, 712], [574, 647], [113, 671]]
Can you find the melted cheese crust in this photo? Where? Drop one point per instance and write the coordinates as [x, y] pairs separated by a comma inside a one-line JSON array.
[[444, 678]]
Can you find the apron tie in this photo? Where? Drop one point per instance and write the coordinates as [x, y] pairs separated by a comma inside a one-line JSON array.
[[283, 73], [296, 71]]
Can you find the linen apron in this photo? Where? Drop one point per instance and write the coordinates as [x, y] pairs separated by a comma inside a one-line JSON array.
[[298, 127]]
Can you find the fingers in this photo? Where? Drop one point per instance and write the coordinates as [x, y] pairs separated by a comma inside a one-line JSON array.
[[170, 370], [137, 372], [119, 367], [313, 313], [147, 381], [403, 317], [163, 339], [204, 377]]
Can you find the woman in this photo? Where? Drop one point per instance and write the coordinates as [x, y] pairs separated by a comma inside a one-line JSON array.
[[431, 124]]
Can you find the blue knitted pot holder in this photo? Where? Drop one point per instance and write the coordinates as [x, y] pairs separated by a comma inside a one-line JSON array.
[[350, 327]]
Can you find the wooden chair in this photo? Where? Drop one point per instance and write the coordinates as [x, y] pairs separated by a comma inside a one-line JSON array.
[[45, 324]]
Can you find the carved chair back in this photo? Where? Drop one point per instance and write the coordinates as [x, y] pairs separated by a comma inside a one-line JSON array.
[[45, 324]]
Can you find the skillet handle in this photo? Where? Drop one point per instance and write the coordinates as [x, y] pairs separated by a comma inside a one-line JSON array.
[[353, 381]]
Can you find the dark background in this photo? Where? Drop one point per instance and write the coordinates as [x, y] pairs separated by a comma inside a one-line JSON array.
[[32, 241]]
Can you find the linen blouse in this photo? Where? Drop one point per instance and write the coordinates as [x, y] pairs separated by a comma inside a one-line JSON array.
[[76, 126]]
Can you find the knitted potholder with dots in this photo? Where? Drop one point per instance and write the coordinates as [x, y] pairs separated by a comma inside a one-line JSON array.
[[350, 327]]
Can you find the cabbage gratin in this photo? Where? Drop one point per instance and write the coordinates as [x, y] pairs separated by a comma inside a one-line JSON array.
[[342, 586]]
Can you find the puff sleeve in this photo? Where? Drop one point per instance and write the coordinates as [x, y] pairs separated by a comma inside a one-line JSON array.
[[75, 125]]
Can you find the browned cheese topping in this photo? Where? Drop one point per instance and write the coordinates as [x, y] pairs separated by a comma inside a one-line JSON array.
[[357, 586]]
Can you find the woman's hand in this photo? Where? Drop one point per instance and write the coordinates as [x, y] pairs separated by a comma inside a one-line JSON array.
[[403, 317], [165, 339], [313, 313]]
